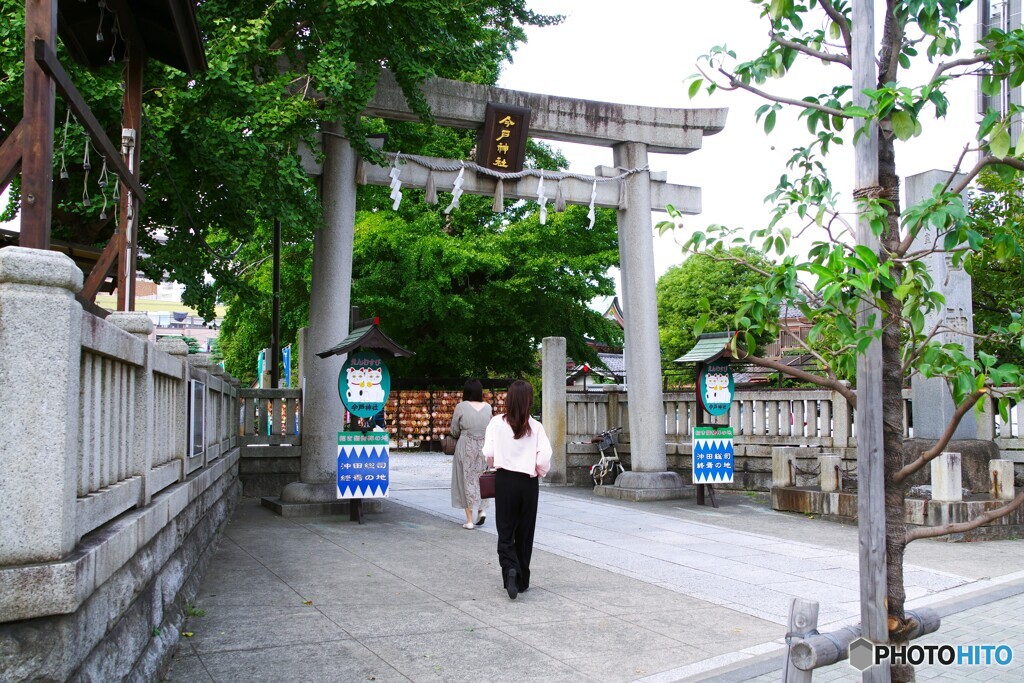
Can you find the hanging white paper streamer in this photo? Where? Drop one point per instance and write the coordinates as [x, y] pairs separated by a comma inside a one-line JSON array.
[[542, 200], [457, 190], [593, 197], [396, 185]]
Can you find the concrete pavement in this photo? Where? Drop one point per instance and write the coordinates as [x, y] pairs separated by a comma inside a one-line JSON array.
[[621, 592]]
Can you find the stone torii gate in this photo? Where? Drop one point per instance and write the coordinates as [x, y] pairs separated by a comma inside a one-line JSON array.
[[631, 131]]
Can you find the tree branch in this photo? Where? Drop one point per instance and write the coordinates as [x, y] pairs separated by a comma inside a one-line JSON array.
[[809, 51], [964, 61], [803, 375], [919, 350], [963, 527], [947, 435], [737, 84], [908, 239], [840, 20], [987, 160]]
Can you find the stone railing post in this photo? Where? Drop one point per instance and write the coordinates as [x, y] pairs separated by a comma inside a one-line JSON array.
[[783, 466], [947, 478], [234, 424], [987, 420], [840, 421], [141, 460], [553, 404], [828, 472], [41, 337], [1001, 476], [179, 349]]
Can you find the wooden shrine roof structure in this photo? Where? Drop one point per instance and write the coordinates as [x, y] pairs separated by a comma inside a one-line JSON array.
[[166, 30]]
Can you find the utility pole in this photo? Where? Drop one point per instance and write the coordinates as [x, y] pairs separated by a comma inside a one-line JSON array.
[[870, 446]]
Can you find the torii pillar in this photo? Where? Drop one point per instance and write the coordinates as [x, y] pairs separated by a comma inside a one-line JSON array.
[[632, 132]]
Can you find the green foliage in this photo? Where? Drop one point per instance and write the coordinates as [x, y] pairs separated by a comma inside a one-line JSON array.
[[475, 297], [219, 149], [472, 293], [836, 277], [997, 216], [704, 294]]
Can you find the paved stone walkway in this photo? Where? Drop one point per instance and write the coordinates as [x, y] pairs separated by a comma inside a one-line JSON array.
[[621, 592]]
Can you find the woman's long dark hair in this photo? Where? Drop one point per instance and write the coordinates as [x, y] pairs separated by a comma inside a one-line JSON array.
[[473, 390], [517, 408]]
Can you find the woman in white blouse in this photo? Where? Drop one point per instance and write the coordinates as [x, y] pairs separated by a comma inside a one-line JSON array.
[[517, 446]]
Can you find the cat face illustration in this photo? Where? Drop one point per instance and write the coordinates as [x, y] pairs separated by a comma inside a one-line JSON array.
[[716, 388]]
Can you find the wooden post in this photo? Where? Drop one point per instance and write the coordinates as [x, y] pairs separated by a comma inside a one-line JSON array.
[[275, 312], [38, 108], [128, 210], [803, 621], [870, 446]]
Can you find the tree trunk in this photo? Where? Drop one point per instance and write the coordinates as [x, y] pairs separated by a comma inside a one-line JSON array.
[[892, 420], [892, 362]]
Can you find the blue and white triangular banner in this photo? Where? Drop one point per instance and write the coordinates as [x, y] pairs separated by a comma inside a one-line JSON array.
[[713, 455], [363, 465]]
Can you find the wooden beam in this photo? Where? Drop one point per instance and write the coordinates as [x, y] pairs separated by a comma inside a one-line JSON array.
[[575, 191], [126, 236], [45, 57], [37, 113], [99, 272], [10, 155]]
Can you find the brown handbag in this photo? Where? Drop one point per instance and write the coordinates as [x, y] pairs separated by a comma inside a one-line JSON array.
[[487, 484], [448, 444]]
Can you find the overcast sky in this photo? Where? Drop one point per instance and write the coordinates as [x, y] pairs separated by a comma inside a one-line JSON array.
[[642, 51]]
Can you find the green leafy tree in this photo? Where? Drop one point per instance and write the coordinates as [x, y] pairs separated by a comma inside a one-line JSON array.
[[837, 276], [473, 293], [997, 213], [703, 294], [220, 149]]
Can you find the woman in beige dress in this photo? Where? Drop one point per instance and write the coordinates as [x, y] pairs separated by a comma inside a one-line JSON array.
[[469, 422]]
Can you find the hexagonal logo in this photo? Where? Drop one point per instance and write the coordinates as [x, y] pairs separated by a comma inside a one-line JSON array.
[[862, 654]]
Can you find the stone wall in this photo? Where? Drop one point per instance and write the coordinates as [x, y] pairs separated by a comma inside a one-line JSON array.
[[129, 625], [263, 476]]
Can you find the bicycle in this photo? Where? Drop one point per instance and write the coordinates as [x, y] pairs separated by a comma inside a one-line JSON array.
[[607, 465]]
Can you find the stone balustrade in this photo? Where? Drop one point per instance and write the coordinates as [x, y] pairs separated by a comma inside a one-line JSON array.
[[119, 460]]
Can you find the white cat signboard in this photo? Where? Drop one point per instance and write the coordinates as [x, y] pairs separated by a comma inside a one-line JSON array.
[[717, 387], [364, 384]]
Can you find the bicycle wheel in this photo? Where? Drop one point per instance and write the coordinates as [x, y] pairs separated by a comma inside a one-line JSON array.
[[597, 473]]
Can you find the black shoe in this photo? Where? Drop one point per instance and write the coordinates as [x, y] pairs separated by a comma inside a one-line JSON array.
[[481, 519], [511, 584]]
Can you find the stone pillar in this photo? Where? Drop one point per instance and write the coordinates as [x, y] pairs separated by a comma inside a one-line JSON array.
[[649, 464], [840, 420], [783, 466], [947, 478], [323, 414], [40, 335], [1001, 476], [140, 326], [932, 402], [828, 472], [553, 404]]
